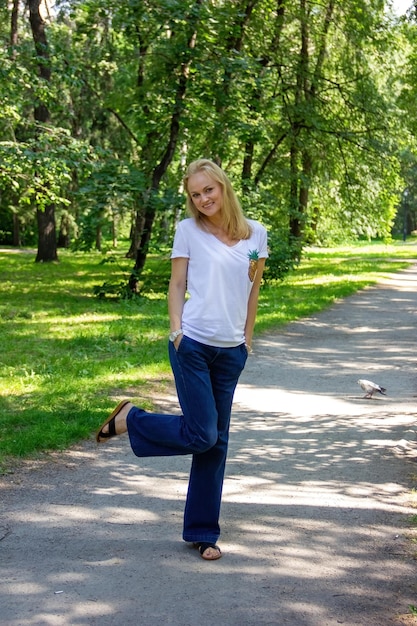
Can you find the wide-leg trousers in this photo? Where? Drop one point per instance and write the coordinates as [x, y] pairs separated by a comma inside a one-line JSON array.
[[206, 379]]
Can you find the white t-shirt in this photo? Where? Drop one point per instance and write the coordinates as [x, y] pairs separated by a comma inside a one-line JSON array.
[[218, 282]]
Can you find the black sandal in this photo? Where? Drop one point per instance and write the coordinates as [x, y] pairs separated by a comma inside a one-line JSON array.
[[202, 546], [111, 421]]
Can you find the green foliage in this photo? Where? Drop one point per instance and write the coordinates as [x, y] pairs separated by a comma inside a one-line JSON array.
[[108, 195], [39, 169], [310, 119], [284, 256]]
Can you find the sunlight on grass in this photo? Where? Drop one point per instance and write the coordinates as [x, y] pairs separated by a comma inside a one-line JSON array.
[[67, 356], [327, 279]]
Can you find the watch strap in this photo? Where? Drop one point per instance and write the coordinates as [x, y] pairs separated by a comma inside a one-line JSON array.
[[175, 334]]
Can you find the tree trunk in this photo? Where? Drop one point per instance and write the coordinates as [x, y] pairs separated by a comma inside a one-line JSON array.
[[307, 166], [14, 27], [14, 38], [47, 245], [114, 231], [247, 164], [64, 232], [46, 235], [42, 52], [295, 225], [149, 210], [138, 223], [306, 92], [296, 195], [257, 100], [16, 239], [233, 44], [98, 237]]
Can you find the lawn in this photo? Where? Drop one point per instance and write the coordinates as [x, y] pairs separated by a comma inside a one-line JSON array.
[[68, 356]]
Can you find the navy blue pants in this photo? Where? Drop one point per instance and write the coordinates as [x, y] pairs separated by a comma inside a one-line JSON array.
[[206, 379]]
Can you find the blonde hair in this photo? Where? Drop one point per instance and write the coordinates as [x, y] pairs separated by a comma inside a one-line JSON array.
[[234, 221]]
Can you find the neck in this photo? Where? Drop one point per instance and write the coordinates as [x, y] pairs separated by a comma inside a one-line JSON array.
[[215, 223], [216, 228]]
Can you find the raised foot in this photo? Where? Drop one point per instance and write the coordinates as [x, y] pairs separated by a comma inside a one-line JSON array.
[[115, 424]]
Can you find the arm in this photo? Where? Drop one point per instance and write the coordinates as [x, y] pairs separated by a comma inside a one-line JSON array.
[[253, 304], [176, 292]]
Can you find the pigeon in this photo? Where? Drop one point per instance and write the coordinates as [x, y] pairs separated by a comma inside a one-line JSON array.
[[370, 388]]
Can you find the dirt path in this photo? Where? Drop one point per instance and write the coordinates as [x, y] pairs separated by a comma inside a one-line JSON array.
[[316, 513]]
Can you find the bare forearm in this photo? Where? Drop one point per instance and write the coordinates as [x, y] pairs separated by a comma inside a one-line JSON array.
[[250, 321], [176, 292], [253, 304], [176, 298]]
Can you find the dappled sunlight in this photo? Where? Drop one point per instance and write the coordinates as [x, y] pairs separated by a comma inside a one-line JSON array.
[[282, 401], [279, 536], [134, 481], [330, 278], [19, 589], [315, 505], [125, 515], [76, 320], [79, 328], [326, 492], [67, 515]]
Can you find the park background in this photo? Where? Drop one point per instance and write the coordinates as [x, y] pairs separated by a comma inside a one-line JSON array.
[[310, 107]]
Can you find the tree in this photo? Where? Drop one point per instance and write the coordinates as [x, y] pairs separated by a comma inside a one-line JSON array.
[[47, 244], [304, 117]]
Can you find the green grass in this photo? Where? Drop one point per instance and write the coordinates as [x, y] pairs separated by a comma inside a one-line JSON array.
[[67, 357]]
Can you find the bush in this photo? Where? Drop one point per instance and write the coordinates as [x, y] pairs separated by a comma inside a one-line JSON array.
[[284, 256]]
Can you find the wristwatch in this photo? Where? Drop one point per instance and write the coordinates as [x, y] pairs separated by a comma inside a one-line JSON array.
[[175, 334]]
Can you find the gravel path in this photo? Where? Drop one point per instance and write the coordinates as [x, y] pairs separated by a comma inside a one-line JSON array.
[[317, 500]]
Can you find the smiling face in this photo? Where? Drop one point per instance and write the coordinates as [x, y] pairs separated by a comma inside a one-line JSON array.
[[206, 195]]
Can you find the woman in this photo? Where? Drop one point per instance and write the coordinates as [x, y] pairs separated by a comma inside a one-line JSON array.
[[218, 258]]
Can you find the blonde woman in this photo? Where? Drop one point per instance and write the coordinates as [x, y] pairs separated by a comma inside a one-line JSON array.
[[218, 258]]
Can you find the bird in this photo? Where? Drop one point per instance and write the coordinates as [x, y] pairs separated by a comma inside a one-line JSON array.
[[370, 388]]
